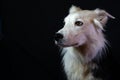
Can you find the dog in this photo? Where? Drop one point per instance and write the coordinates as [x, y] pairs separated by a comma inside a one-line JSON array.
[[82, 40]]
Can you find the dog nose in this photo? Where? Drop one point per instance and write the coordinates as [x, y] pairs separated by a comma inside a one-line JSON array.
[[58, 36]]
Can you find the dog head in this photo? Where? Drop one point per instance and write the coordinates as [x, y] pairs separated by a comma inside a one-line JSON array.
[[81, 26]]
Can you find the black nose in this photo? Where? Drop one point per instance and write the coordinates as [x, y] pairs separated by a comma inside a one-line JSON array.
[[58, 36]]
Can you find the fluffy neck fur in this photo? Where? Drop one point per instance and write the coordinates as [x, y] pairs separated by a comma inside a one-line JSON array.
[[78, 60]]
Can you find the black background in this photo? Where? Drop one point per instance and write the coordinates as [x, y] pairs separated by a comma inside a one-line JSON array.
[[28, 28]]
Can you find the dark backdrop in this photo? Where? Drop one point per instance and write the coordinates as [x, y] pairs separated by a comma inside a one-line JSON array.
[[27, 47]]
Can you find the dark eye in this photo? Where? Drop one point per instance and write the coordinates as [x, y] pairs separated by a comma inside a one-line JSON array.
[[78, 23]]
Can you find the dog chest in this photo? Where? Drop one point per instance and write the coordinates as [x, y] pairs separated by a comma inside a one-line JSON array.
[[74, 68]]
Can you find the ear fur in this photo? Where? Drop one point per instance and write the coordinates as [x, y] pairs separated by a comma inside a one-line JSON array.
[[98, 24], [74, 9], [102, 17], [99, 11]]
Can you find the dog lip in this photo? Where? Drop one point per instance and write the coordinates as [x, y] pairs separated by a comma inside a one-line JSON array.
[[74, 44], [63, 45]]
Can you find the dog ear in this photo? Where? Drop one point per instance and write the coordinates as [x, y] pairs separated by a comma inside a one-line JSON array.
[[101, 18], [74, 9]]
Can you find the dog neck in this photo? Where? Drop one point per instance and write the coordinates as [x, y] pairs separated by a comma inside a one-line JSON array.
[[76, 60], [79, 59]]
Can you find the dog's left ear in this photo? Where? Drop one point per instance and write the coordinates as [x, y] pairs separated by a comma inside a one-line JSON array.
[[101, 18], [74, 9]]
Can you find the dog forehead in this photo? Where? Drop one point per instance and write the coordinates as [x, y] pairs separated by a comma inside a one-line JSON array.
[[85, 14], [71, 17]]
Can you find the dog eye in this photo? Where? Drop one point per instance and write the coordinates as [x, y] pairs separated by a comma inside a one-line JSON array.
[[78, 23]]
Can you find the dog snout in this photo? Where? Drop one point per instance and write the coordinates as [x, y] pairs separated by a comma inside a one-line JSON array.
[[58, 36]]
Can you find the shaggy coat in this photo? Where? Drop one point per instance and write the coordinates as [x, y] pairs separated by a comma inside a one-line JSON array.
[[82, 41]]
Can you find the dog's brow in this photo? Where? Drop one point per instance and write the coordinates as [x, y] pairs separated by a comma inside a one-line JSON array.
[[79, 19]]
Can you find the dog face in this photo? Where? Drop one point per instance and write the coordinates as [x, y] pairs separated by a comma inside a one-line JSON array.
[[81, 26]]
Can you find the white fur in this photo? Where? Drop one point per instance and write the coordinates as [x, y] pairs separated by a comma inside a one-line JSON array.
[[74, 9], [98, 23], [82, 43], [73, 65]]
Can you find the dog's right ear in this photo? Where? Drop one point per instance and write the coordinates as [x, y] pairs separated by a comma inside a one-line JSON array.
[[74, 9], [101, 18]]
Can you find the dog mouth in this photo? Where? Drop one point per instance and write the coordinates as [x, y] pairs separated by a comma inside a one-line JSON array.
[[66, 45]]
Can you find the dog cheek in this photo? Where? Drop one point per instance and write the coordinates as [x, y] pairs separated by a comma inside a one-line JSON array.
[[81, 40]]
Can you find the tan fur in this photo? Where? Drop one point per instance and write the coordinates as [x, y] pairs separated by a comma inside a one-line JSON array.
[[82, 43]]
